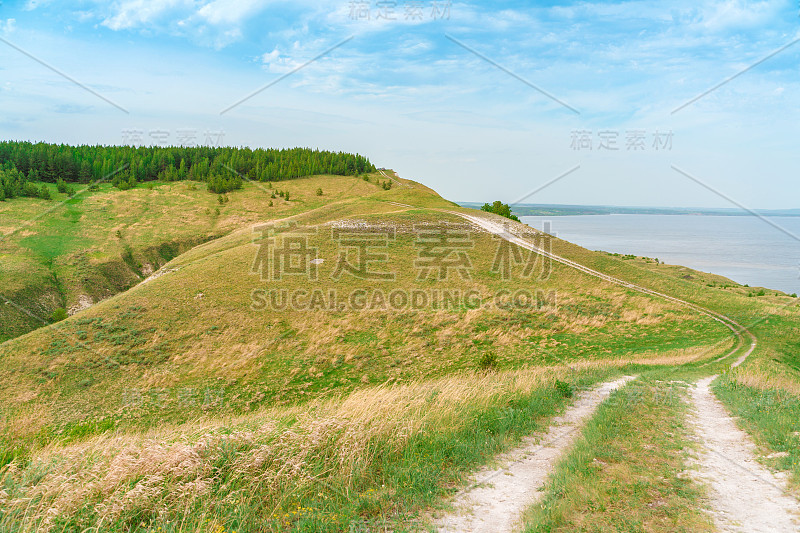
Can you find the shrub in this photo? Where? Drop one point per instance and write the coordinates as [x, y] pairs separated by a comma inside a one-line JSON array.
[[499, 208], [221, 185], [488, 361], [58, 315], [319, 191], [564, 389]]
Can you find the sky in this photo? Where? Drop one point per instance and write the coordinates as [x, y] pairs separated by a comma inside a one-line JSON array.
[[642, 102]]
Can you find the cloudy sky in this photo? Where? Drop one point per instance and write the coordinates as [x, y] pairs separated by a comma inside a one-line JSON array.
[[481, 101]]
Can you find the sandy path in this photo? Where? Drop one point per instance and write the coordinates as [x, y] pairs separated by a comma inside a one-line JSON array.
[[496, 498], [745, 495]]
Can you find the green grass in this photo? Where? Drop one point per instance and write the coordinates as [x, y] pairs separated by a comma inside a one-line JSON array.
[[772, 417], [160, 336], [100, 243], [352, 469], [626, 470], [186, 357]]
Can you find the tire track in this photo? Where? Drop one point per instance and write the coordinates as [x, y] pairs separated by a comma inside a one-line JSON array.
[[496, 498], [745, 496]]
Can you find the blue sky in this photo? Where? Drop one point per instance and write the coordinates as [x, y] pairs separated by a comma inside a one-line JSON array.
[[404, 92]]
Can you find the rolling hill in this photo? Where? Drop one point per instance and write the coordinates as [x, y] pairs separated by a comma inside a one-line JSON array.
[[234, 364]]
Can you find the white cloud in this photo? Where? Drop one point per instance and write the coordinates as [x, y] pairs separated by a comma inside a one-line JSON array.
[[737, 14], [33, 4], [226, 12], [276, 62], [7, 26], [130, 14]]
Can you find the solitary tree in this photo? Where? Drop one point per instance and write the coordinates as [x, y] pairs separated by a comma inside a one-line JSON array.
[[499, 208]]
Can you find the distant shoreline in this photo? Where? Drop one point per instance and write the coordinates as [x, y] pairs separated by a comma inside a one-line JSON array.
[[572, 210]]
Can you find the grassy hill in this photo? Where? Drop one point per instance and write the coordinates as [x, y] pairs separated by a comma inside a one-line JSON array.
[[71, 252], [206, 398]]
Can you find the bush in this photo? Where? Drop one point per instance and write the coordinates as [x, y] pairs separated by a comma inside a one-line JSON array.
[[61, 186], [488, 361], [319, 191], [58, 315], [221, 185], [125, 184], [499, 208], [564, 389], [30, 190]]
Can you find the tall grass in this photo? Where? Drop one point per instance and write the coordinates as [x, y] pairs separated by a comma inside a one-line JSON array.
[[626, 471], [375, 455], [772, 417]]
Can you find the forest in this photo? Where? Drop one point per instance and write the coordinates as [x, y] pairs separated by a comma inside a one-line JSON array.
[[24, 164]]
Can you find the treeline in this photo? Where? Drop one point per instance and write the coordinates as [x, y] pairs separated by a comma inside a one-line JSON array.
[[125, 166]]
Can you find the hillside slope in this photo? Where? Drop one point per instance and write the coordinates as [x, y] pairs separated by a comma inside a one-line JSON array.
[[207, 331], [69, 253], [337, 360]]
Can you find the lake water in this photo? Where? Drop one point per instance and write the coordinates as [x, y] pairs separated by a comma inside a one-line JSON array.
[[745, 249]]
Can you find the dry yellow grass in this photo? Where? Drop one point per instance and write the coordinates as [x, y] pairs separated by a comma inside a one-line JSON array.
[[164, 471], [764, 374]]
